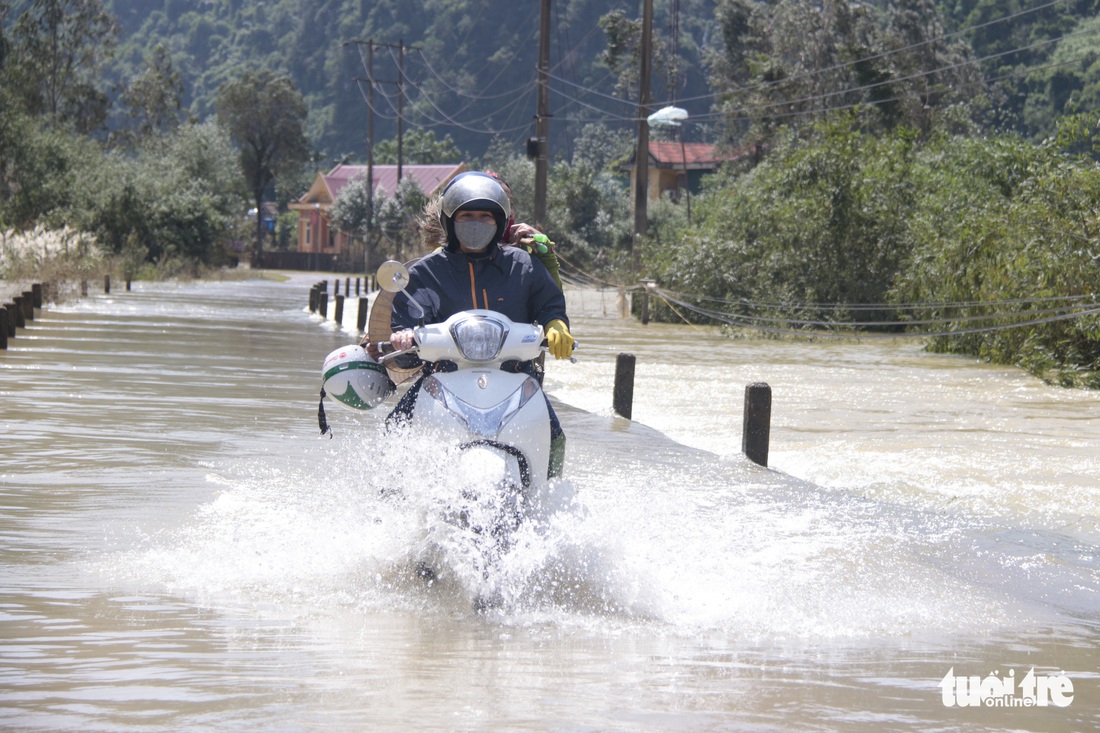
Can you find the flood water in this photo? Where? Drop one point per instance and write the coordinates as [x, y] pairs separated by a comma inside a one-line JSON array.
[[181, 550]]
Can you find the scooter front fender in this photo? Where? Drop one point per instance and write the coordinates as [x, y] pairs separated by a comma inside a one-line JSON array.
[[528, 430]]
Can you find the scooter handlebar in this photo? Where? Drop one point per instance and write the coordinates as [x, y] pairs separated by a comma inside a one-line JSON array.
[[545, 346], [389, 353]]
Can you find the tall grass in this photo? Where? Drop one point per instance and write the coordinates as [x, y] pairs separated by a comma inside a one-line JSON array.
[[58, 258]]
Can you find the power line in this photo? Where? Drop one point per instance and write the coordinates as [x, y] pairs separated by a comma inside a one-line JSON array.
[[436, 115], [742, 113], [883, 54], [816, 72], [741, 322], [918, 75], [523, 88], [887, 306]]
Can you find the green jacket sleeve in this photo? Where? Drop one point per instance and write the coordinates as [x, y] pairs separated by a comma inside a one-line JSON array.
[[549, 260]]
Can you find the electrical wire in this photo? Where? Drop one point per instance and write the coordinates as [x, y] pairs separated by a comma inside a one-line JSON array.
[[525, 87], [733, 320], [819, 97], [889, 306], [885, 54], [468, 126], [918, 75], [445, 119]]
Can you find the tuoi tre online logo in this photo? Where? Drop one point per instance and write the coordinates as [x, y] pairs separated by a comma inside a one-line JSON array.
[[993, 691]]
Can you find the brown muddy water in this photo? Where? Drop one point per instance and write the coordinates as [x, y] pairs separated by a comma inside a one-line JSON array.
[[180, 550]]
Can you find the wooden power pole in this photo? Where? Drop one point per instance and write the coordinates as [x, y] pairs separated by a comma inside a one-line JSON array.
[[641, 153], [542, 118]]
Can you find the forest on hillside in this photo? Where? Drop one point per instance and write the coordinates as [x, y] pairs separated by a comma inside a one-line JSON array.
[[470, 67]]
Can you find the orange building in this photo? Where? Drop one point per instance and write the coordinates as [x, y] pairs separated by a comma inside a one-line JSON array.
[[315, 234]]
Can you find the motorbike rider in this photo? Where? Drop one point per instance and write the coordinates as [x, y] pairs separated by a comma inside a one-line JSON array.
[[516, 234], [473, 270]]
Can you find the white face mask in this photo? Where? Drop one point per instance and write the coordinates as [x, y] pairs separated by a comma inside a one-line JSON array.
[[475, 234]]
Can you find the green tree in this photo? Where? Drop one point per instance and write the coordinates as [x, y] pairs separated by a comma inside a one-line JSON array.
[[588, 206], [398, 215], [419, 147], [790, 63], [623, 53], [1006, 230], [37, 166], [176, 200], [265, 116], [353, 212], [153, 98], [57, 50], [1070, 83]]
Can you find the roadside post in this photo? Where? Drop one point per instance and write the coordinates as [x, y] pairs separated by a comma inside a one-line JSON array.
[[756, 426]]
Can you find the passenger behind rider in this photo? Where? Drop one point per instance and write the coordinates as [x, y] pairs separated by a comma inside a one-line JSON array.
[[473, 270], [519, 234]]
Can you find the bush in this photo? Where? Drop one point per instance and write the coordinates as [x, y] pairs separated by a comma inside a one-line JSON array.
[[817, 221], [1006, 226], [976, 235]]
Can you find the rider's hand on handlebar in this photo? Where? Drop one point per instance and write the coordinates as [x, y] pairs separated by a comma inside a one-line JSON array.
[[372, 349], [558, 339], [402, 340]]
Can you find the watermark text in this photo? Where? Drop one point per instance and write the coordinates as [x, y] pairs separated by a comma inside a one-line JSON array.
[[1003, 691]]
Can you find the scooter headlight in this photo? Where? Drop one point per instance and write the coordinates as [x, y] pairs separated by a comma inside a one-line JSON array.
[[479, 338]]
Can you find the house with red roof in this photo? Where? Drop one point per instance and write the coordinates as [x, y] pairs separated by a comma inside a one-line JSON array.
[[315, 234], [676, 166]]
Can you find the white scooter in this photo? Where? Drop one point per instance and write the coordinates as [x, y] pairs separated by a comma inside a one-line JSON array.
[[496, 418]]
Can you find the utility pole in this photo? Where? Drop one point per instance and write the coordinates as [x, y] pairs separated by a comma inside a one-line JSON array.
[[641, 153], [542, 119], [372, 82], [400, 82], [370, 162], [400, 108]]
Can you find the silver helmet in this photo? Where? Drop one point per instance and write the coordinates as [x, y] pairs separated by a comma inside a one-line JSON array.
[[473, 191]]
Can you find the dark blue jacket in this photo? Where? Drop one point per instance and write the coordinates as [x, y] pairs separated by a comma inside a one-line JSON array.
[[502, 279]]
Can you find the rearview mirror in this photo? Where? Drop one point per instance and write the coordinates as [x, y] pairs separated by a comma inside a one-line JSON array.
[[392, 276]]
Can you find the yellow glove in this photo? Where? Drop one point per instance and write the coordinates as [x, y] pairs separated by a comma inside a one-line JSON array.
[[559, 339]]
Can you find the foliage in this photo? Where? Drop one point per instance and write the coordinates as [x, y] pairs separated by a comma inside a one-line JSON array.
[[1018, 41], [820, 221], [57, 257], [177, 199], [980, 231], [57, 48], [265, 116], [783, 65], [1003, 225], [352, 210], [36, 165], [418, 147], [588, 206], [623, 54], [388, 223], [468, 65], [153, 98], [398, 216]]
